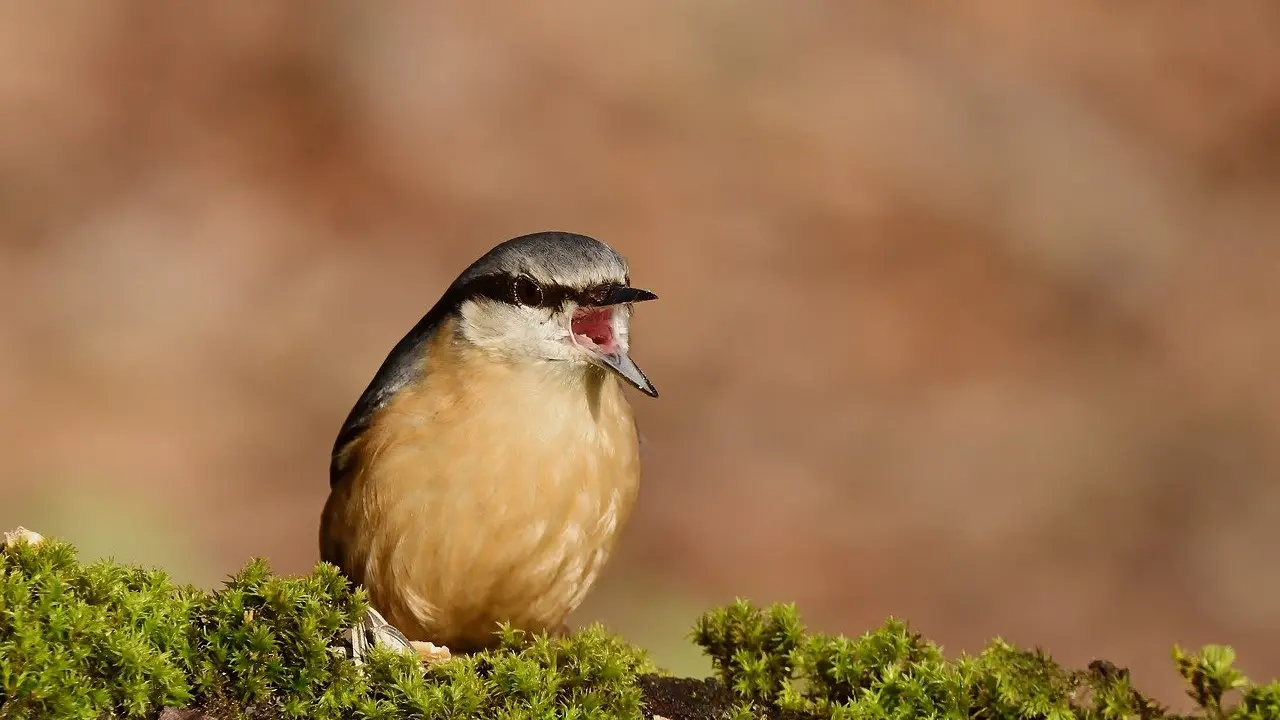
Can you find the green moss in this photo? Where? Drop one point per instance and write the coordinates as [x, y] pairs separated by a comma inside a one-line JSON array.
[[774, 666], [109, 640], [84, 640]]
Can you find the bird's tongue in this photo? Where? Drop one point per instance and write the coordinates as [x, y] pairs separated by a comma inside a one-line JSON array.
[[593, 327]]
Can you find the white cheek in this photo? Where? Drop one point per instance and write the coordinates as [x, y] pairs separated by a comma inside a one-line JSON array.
[[512, 330], [486, 324], [531, 333]]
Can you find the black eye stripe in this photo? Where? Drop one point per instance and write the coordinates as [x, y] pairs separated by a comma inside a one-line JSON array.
[[512, 290]]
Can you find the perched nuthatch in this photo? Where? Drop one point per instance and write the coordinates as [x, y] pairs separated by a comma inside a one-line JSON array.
[[484, 474]]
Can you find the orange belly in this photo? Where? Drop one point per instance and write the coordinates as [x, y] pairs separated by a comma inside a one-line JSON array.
[[463, 514]]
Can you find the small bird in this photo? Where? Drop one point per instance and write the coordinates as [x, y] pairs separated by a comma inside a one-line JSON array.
[[486, 471]]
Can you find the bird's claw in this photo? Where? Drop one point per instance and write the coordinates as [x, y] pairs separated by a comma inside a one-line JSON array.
[[374, 631]]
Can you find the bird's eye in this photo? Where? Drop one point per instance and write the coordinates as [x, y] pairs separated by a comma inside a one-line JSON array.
[[527, 291]]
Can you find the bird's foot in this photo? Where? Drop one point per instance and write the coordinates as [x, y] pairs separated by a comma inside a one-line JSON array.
[[374, 631]]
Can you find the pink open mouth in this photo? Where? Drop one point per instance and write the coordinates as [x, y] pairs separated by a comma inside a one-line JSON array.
[[592, 328]]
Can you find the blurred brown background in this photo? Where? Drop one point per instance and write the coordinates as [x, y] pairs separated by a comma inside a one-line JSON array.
[[969, 315]]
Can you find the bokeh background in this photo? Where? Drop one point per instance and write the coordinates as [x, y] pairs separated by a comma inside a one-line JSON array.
[[970, 312]]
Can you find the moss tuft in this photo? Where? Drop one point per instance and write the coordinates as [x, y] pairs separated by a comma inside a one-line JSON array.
[[76, 639], [104, 639], [776, 668], [99, 640]]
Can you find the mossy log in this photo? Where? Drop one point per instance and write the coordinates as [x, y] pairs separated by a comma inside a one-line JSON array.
[[108, 640]]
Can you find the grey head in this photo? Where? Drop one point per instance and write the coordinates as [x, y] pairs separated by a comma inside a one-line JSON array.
[[552, 297]]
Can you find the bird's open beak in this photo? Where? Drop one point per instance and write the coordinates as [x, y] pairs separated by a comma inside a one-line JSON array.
[[607, 353], [621, 363], [621, 294]]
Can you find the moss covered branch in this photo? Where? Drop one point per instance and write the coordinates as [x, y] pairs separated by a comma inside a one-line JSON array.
[[94, 640]]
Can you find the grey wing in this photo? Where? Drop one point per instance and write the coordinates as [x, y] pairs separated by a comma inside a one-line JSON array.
[[401, 367]]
